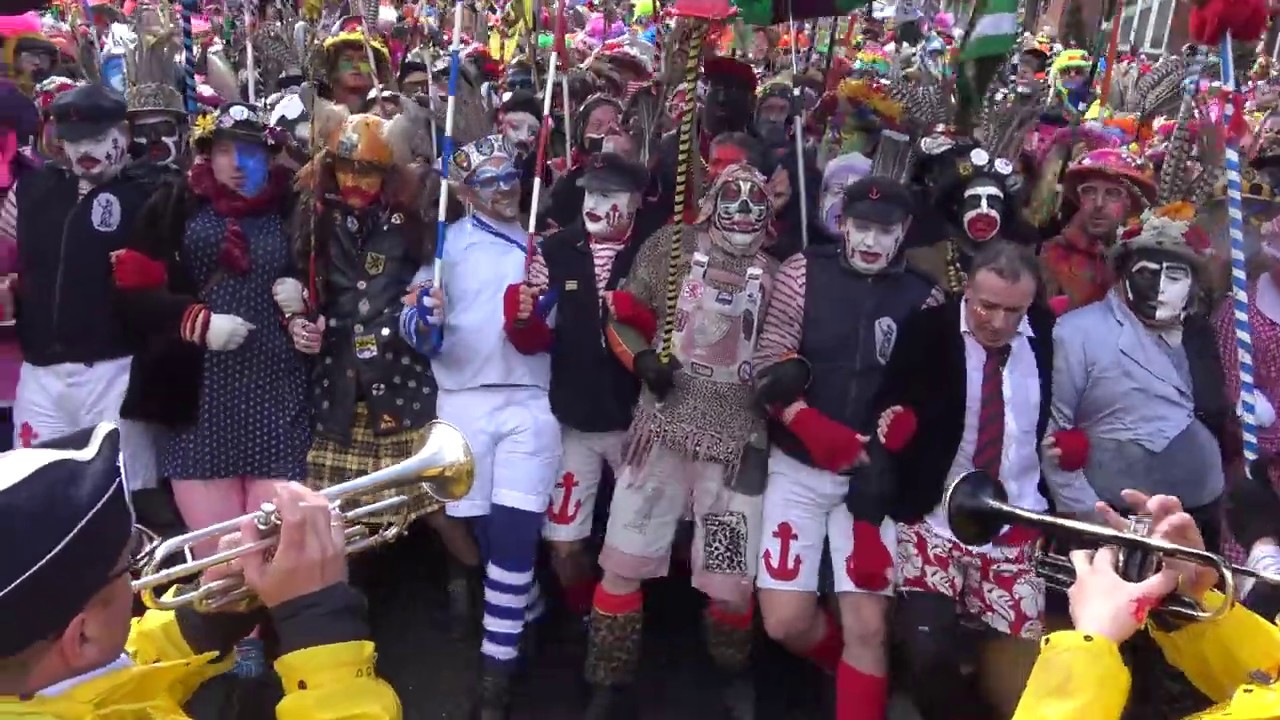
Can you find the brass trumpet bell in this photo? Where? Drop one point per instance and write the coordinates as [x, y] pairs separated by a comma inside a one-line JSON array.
[[443, 467], [977, 510]]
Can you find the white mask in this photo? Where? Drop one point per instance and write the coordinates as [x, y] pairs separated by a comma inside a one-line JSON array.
[[98, 159], [520, 129], [1159, 291], [741, 215], [870, 247], [608, 215]]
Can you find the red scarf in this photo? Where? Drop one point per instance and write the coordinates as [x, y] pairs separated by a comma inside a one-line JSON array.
[[231, 205]]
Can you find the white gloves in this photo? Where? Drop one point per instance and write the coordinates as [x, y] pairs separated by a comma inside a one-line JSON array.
[[226, 332], [1264, 413], [289, 296]]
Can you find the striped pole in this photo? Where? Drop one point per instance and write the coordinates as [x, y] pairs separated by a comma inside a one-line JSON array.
[[455, 43], [544, 132], [189, 55], [685, 155], [1239, 291]]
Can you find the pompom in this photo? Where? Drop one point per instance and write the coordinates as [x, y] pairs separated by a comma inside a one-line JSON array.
[[1060, 305], [1074, 445], [1210, 21]]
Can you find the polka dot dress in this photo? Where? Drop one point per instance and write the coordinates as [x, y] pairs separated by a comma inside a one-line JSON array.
[[253, 419]]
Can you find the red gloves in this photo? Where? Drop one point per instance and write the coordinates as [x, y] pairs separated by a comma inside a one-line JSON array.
[[869, 566], [900, 430], [630, 311], [1074, 445], [529, 336], [832, 446], [1210, 20], [131, 270]]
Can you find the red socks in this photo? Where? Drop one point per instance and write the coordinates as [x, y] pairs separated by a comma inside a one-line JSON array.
[[870, 567], [610, 604], [860, 696], [721, 615], [826, 654]]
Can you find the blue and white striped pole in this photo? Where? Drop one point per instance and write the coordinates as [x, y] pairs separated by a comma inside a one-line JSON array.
[[1239, 289], [189, 56], [455, 43]]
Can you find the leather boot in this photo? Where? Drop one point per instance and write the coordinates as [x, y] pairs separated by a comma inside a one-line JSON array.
[[613, 653], [494, 696]]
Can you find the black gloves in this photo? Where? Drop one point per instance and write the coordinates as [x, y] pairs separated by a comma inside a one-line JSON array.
[[871, 486], [656, 375], [781, 384], [1253, 507]]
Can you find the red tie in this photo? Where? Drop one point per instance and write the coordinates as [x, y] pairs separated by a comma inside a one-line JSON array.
[[986, 454]]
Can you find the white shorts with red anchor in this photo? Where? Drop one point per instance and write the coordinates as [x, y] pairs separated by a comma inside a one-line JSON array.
[[649, 502], [804, 505], [54, 400], [573, 499], [994, 585]]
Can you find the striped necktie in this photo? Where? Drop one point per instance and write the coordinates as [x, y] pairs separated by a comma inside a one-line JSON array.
[[990, 446]]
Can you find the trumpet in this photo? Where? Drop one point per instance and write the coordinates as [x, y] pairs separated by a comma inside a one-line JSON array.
[[977, 509], [443, 467]]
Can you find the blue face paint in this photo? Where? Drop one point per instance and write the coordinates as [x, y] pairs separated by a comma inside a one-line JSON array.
[[252, 160]]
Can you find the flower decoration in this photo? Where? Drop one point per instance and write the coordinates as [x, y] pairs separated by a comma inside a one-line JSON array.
[[203, 127]]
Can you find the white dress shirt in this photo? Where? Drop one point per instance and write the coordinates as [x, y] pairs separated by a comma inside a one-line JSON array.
[[1020, 456]]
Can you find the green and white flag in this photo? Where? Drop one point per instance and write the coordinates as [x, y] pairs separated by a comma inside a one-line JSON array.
[[992, 32]]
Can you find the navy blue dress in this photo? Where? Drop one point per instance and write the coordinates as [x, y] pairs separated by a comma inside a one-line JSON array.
[[253, 419]]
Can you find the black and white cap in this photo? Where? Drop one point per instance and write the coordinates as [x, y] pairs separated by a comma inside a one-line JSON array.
[[66, 521]]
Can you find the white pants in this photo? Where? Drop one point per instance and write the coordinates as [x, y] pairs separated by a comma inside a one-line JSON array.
[[515, 441], [55, 400], [804, 505], [573, 499]]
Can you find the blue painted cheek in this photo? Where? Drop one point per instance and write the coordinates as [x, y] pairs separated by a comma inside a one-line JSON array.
[[252, 161]]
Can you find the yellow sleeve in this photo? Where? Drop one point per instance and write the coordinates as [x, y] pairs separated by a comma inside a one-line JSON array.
[[156, 638], [334, 682], [1076, 676], [1219, 656]]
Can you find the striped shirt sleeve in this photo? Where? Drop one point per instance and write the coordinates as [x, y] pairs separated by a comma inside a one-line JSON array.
[[784, 318], [9, 213]]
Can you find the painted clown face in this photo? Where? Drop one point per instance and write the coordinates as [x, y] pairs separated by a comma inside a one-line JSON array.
[[100, 158], [741, 214], [496, 181], [521, 130], [981, 209], [609, 215], [158, 137], [1158, 288], [869, 247]]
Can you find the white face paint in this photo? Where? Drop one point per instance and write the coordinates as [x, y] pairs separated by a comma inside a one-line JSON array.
[[1159, 291], [742, 214], [870, 247], [520, 129], [98, 159], [609, 215]]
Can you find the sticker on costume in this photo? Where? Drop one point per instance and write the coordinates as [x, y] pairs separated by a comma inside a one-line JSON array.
[[375, 263], [724, 543], [366, 346], [387, 422], [462, 160], [886, 335], [570, 285], [397, 219], [352, 223], [105, 213]]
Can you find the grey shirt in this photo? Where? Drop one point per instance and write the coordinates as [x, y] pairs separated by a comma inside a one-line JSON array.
[[1129, 389]]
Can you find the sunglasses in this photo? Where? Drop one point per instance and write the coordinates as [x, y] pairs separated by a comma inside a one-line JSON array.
[[495, 180]]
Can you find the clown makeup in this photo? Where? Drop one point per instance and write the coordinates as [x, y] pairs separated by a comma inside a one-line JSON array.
[[359, 185], [983, 202], [354, 71], [520, 129], [1103, 206], [98, 159], [1073, 78], [870, 247], [771, 120], [609, 215], [497, 183], [1159, 291], [158, 138], [254, 164], [724, 154], [741, 214]]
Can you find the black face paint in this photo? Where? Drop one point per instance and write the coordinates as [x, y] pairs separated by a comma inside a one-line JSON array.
[[772, 133], [1159, 287], [593, 144], [727, 109]]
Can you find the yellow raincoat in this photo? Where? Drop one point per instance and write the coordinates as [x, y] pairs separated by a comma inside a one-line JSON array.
[[328, 682], [1231, 660]]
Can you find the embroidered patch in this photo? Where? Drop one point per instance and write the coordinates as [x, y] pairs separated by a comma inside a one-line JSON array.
[[366, 346], [570, 284], [375, 263], [105, 213], [886, 335]]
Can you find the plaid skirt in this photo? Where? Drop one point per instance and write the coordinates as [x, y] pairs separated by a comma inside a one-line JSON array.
[[330, 463]]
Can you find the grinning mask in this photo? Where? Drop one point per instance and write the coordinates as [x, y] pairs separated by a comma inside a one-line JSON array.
[[869, 247], [100, 158], [609, 215], [739, 210], [157, 138], [1159, 287], [981, 209]]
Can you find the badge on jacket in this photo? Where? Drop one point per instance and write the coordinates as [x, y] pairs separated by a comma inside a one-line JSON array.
[[366, 346], [387, 422], [105, 213], [375, 263]]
